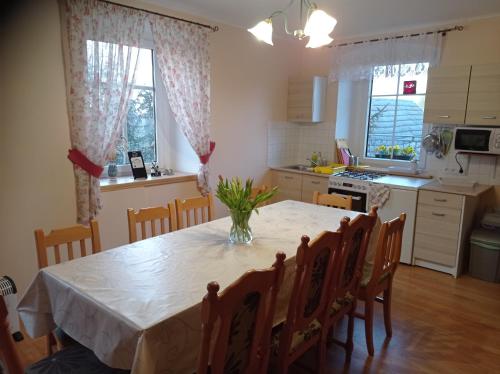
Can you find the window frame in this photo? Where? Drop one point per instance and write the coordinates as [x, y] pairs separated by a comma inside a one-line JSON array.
[[418, 157]]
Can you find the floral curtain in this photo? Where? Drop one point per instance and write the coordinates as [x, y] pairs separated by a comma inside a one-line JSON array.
[[365, 60], [182, 56], [101, 56]]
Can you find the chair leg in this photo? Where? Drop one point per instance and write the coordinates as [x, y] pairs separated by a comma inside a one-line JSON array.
[[369, 325], [350, 336], [322, 353], [387, 311]]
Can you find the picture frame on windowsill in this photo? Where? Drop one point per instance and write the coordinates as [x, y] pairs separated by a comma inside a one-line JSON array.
[[137, 165]]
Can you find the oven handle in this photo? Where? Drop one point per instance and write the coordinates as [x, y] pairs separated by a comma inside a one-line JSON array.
[[357, 198]]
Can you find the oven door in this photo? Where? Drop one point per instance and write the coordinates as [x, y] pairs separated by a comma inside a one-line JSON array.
[[358, 198]]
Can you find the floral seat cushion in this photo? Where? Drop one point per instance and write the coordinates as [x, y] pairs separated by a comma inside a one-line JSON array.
[[298, 337], [367, 274], [72, 360], [340, 303]]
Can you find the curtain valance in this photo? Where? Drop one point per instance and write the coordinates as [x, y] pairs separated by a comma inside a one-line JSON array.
[[362, 61]]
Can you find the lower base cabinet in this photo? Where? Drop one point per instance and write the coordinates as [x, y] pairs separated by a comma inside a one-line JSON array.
[[299, 187], [443, 226]]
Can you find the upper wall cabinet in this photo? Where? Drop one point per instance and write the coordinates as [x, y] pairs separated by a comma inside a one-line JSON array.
[[307, 100], [483, 106], [446, 97]]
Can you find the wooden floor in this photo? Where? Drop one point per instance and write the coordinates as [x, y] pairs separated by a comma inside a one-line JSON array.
[[440, 325]]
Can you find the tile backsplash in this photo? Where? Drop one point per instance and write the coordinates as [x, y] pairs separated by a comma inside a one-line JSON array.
[[291, 143]]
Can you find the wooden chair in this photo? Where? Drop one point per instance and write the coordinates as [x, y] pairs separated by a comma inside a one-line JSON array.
[[71, 360], [244, 314], [333, 200], [377, 277], [345, 285], [151, 215], [187, 208], [310, 295], [65, 236]]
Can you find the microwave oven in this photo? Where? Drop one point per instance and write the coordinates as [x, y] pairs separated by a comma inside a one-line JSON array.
[[477, 140]]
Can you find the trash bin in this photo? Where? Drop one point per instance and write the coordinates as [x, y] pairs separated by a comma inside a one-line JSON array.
[[484, 261]]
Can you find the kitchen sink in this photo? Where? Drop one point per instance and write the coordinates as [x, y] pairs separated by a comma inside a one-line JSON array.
[[299, 167]]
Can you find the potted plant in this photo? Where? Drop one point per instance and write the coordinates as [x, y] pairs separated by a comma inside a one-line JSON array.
[[407, 153], [120, 149], [238, 198], [383, 152]]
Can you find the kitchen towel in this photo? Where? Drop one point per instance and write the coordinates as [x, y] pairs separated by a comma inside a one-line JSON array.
[[378, 195]]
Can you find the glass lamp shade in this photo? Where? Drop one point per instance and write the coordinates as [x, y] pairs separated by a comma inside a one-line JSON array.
[[319, 24], [317, 41], [263, 31]]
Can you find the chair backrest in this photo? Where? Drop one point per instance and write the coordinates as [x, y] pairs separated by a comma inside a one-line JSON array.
[[66, 236], [388, 250], [333, 200], [151, 215], [315, 264], [199, 209], [244, 314], [356, 236], [8, 353]]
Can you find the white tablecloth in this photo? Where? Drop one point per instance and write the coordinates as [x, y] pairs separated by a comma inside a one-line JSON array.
[[138, 306]]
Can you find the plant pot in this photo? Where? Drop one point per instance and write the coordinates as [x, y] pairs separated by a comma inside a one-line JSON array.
[[402, 157], [240, 232], [379, 155]]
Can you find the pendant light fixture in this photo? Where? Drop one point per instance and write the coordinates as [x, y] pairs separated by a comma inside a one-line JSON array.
[[318, 25]]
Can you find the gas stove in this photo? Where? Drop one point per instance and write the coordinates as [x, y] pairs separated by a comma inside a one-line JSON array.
[[358, 181]]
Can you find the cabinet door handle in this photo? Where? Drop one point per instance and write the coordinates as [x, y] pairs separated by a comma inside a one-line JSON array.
[[441, 200], [315, 182], [445, 116], [438, 214], [287, 177], [488, 117]]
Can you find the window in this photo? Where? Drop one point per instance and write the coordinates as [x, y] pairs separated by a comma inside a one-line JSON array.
[[396, 111], [139, 132]]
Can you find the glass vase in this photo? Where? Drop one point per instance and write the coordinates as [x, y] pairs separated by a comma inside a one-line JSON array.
[[112, 169], [240, 233]]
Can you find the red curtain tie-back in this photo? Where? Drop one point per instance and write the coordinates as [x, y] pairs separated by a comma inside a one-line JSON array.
[[204, 158], [78, 158]]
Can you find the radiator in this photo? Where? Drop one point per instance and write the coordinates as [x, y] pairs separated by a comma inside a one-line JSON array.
[[9, 292]]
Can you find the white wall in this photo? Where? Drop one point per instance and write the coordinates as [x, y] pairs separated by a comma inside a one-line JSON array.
[[249, 82]]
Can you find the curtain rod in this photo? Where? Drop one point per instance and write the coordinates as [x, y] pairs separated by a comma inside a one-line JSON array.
[[213, 28], [444, 31]]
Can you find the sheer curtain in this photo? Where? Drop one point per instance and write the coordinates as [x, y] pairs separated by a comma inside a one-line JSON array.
[[358, 61], [101, 57], [182, 56]]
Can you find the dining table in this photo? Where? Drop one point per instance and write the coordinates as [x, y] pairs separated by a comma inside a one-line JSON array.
[[138, 306]]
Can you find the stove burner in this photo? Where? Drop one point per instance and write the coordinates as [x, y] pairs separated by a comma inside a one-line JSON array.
[[360, 175]]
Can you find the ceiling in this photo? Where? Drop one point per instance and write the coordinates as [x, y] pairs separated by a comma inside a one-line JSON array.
[[356, 17]]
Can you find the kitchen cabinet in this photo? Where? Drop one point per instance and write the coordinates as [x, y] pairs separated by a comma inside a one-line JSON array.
[[443, 225], [460, 95], [446, 96], [295, 186], [483, 106], [307, 100]]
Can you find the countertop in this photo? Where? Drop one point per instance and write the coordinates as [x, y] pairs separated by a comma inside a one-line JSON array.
[[299, 171], [466, 191], [410, 183]]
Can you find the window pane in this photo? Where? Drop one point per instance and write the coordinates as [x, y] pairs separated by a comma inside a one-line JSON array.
[[414, 72], [380, 125], [385, 82], [144, 70], [409, 122], [141, 130]]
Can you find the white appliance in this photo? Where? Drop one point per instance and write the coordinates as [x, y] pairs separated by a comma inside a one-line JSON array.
[[402, 199], [480, 140]]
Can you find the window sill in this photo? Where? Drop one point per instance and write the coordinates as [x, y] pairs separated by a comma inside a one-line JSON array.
[[125, 182]]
